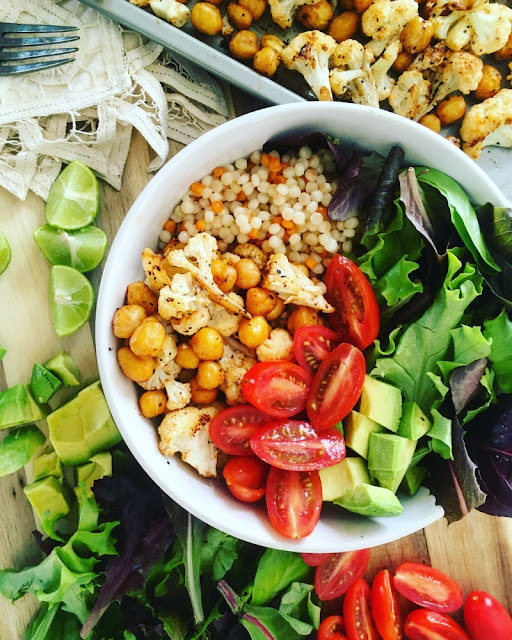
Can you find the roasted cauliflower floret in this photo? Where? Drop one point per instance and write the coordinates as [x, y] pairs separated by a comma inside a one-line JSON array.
[[411, 95], [381, 67], [156, 275], [352, 74], [278, 346], [173, 11], [251, 251], [283, 11], [487, 124], [292, 285], [309, 53], [235, 365], [224, 321], [460, 71], [187, 431], [384, 20], [185, 304]]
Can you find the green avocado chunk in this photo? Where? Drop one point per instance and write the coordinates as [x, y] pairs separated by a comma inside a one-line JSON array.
[[18, 447], [17, 406], [414, 424], [51, 501], [65, 368], [357, 429], [369, 500], [46, 465], [389, 457], [412, 479], [343, 477], [381, 402], [82, 427], [43, 383]]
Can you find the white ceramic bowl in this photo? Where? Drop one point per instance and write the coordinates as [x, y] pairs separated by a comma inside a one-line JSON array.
[[371, 129]]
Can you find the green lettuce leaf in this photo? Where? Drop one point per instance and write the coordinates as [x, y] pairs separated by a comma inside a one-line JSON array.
[[396, 285], [499, 331], [19, 447], [297, 602], [218, 553]]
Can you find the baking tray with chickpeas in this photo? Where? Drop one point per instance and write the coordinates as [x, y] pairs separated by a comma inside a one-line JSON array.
[[444, 63]]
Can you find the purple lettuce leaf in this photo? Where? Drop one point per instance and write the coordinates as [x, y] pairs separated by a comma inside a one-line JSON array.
[[464, 383], [347, 199]]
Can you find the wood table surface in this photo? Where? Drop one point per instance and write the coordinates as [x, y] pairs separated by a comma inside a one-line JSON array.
[[476, 551]]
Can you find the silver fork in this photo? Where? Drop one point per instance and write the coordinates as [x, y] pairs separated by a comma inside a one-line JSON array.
[[14, 48]]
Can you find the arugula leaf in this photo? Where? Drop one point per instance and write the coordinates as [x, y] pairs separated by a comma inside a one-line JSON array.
[[499, 332], [297, 602], [276, 571], [19, 447]]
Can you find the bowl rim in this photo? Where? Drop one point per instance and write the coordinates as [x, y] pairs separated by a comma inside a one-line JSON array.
[[428, 512]]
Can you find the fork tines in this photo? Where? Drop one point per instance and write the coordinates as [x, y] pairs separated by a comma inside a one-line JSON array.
[[14, 48]]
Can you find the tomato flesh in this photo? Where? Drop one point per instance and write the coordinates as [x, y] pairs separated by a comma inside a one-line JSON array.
[[357, 316], [246, 477], [335, 574], [486, 618], [294, 501], [295, 445], [423, 624], [231, 429], [331, 628], [336, 387], [428, 587], [278, 388], [313, 559], [312, 344], [356, 612], [385, 607]]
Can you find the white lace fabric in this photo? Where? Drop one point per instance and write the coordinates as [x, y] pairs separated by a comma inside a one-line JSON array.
[[86, 109]]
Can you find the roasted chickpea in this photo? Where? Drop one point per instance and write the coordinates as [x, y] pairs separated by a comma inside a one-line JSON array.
[[416, 35], [505, 52], [172, 245], [135, 368], [431, 121], [454, 140], [490, 83], [186, 356], [127, 319], [244, 44], [302, 317], [270, 40], [206, 18], [153, 403], [208, 344], [148, 338], [316, 16], [346, 5], [201, 395], [344, 26], [256, 7], [361, 5], [451, 109], [224, 275], [209, 375], [260, 302], [253, 332], [276, 311], [215, 2], [403, 61], [266, 61], [239, 16], [139, 293], [248, 274]]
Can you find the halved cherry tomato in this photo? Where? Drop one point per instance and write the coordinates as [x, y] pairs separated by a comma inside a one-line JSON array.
[[331, 628], [385, 607], [231, 429], [313, 559], [336, 387], [294, 501], [356, 612], [279, 388], [486, 618], [423, 624], [297, 446], [338, 571], [312, 344], [246, 477], [357, 316], [428, 587]]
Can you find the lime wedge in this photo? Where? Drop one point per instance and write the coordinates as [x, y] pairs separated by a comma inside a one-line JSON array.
[[74, 199], [5, 253], [82, 249], [71, 299]]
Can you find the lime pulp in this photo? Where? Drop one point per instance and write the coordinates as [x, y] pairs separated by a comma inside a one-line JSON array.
[[71, 297], [5, 253], [82, 249]]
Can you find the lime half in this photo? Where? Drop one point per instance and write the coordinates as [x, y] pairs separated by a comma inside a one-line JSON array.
[[5, 253], [74, 199], [71, 299], [82, 249]]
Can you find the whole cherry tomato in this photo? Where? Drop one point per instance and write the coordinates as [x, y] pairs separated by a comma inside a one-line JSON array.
[[486, 618], [428, 587], [246, 477], [385, 607]]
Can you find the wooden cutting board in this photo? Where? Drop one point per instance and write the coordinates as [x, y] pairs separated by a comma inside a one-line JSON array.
[[476, 551]]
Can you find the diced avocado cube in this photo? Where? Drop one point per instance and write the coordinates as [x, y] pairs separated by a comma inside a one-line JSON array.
[[17, 406], [414, 423], [369, 500], [65, 368], [389, 457], [51, 501], [412, 479], [83, 426], [357, 430], [381, 402], [46, 465], [18, 447], [343, 477], [98, 467], [43, 383]]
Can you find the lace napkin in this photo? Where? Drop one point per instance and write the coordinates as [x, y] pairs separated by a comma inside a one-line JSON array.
[[86, 109]]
